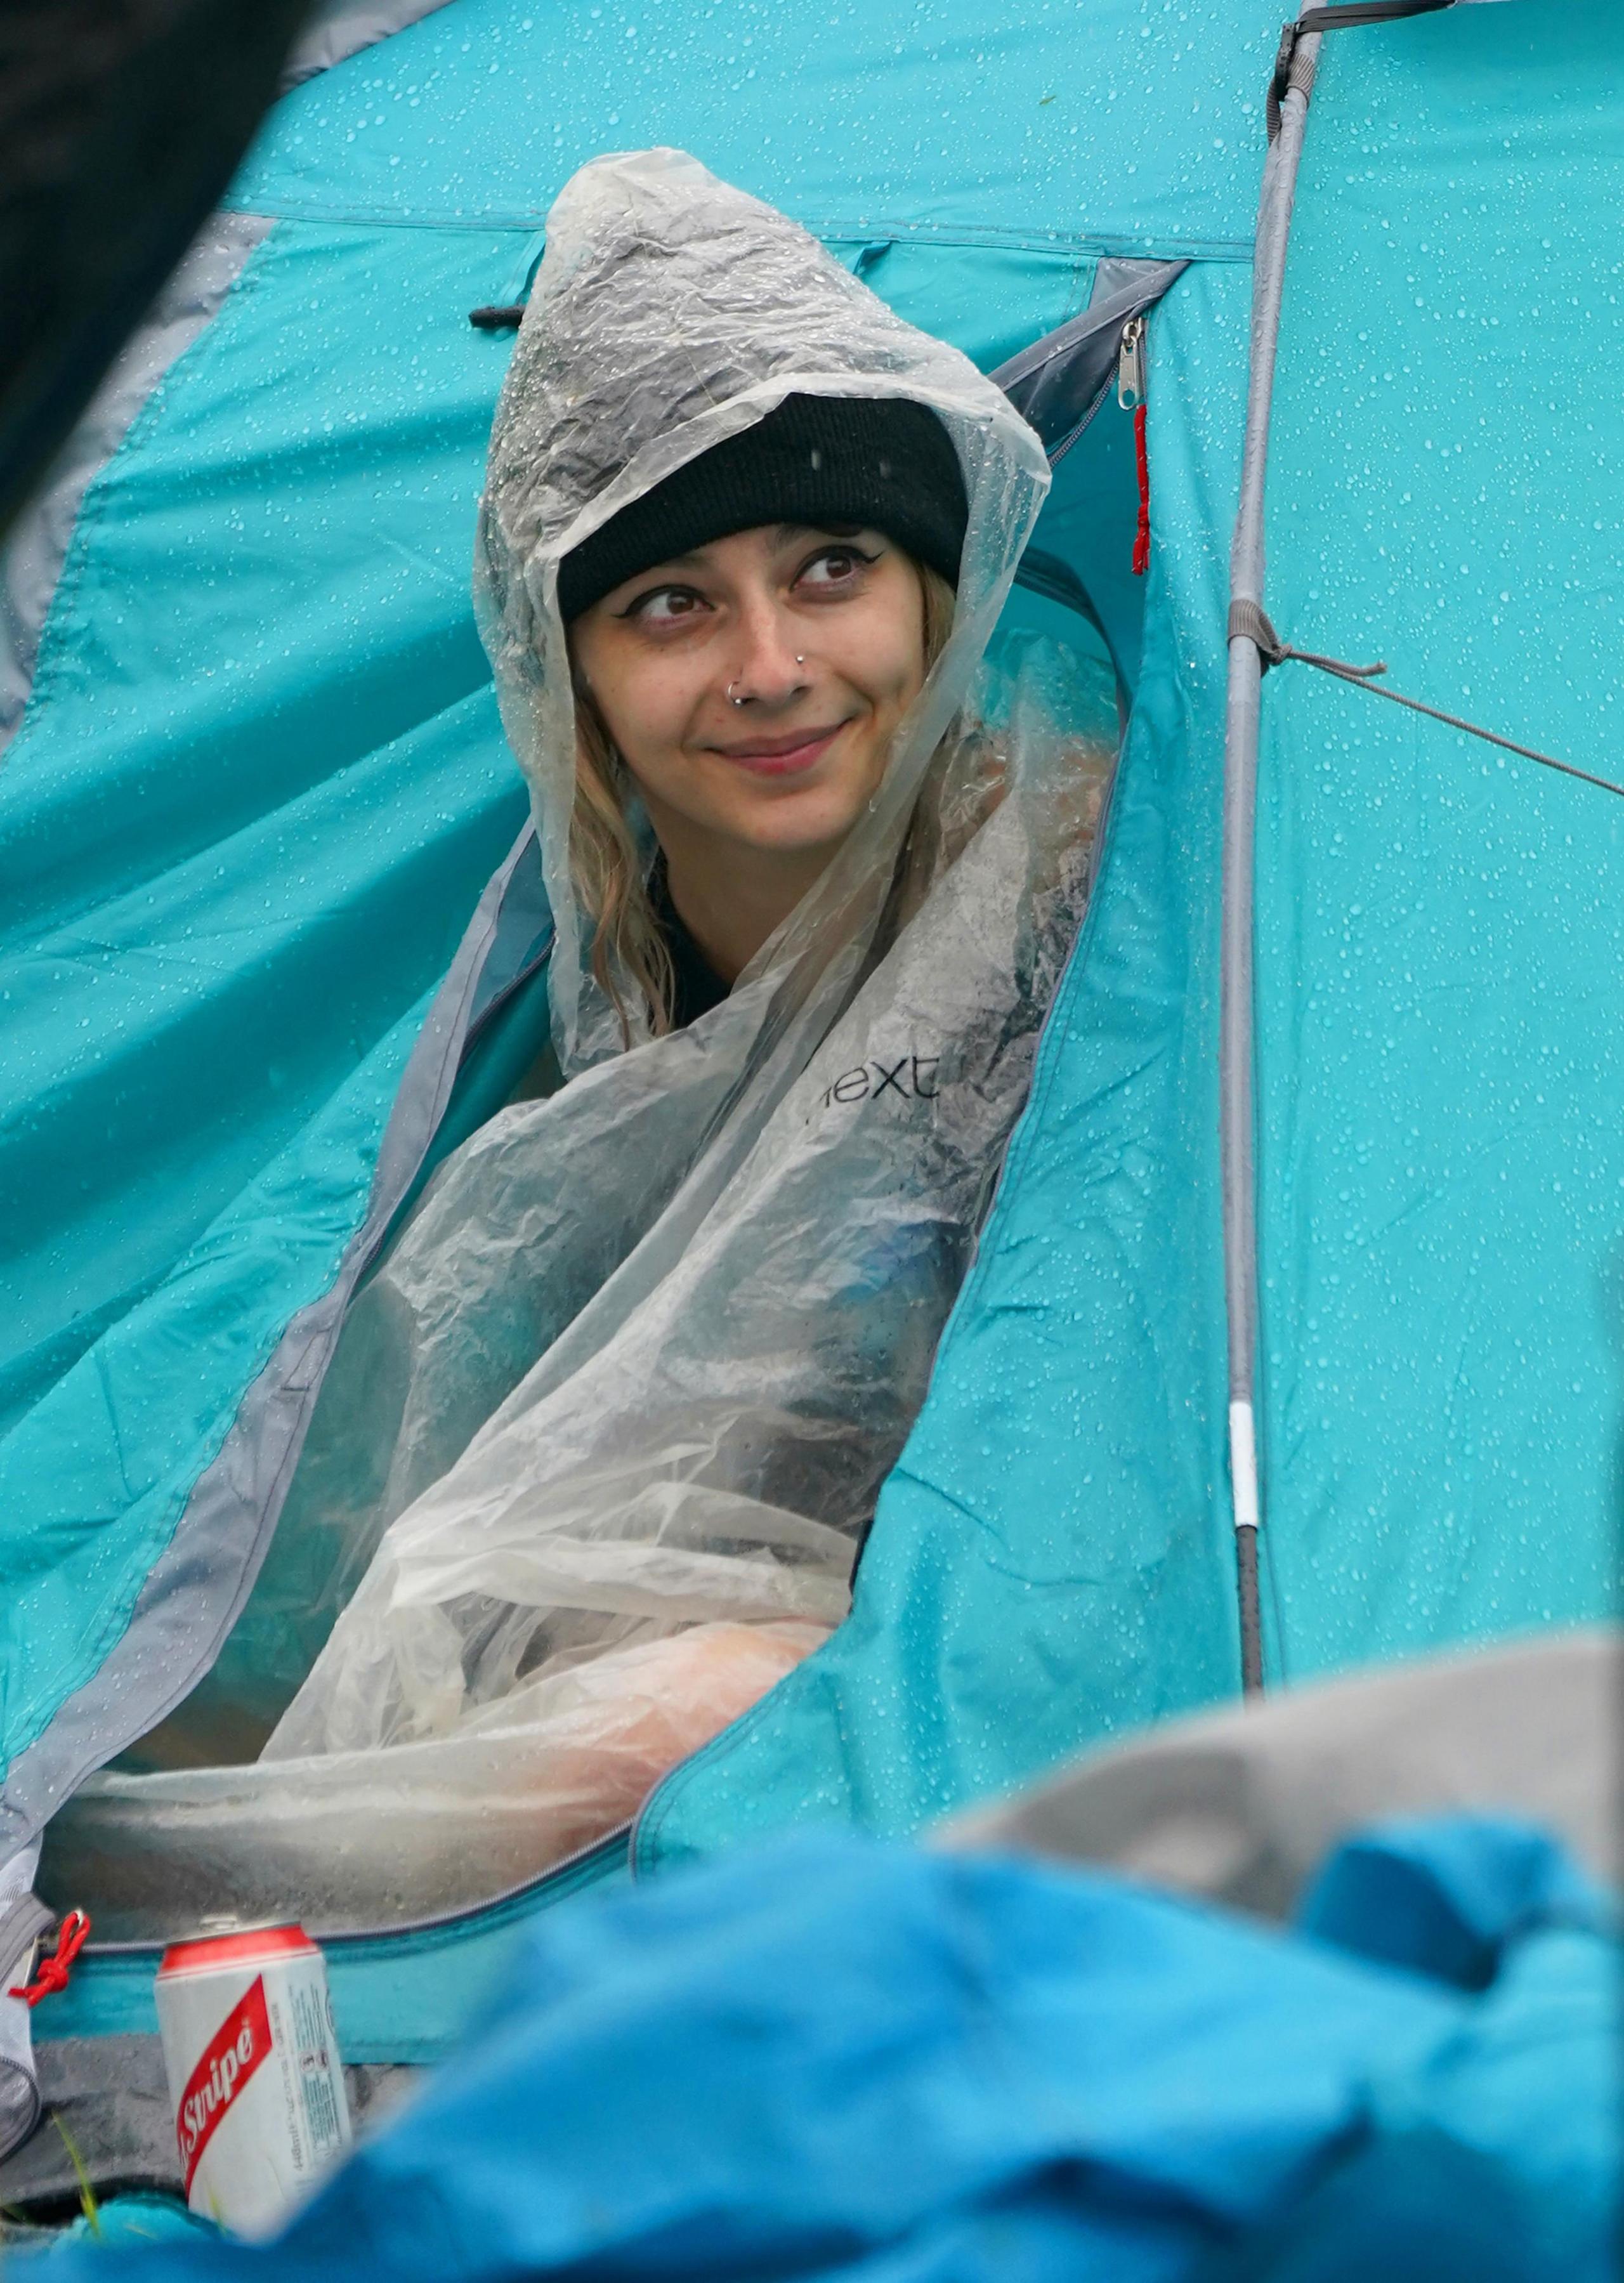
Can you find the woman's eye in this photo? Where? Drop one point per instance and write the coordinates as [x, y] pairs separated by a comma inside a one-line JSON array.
[[836, 567], [666, 607]]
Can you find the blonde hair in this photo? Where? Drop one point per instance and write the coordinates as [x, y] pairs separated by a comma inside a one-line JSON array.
[[627, 942]]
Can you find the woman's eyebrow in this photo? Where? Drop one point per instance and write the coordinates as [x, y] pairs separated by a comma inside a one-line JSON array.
[[668, 573]]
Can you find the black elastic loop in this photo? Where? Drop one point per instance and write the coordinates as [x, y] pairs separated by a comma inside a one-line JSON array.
[[1366, 11], [1284, 57], [1333, 19], [497, 316]]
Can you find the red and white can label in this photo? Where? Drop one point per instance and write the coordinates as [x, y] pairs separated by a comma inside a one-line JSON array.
[[225, 2068], [253, 2069]]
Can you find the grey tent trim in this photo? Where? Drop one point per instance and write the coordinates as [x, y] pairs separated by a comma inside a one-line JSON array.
[[38, 544], [197, 1588], [1059, 382], [1243, 1806], [342, 29], [22, 1920], [1237, 1043], [19, 2103]]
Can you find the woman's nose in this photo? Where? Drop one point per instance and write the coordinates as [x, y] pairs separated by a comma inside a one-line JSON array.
[[770, 671]]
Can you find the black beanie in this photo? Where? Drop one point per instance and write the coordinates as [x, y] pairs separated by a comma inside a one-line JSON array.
[[880, 461]]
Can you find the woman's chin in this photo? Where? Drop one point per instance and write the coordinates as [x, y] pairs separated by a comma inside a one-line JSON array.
[[799, 822], [788, 840]]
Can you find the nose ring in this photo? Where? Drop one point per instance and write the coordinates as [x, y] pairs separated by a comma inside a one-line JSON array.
[[744, 701]]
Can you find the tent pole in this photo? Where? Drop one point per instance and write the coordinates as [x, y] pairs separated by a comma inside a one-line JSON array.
[[1240, 756]]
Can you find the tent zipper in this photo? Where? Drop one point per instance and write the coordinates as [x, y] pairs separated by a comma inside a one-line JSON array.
[[1131, 397], [1130, 365]]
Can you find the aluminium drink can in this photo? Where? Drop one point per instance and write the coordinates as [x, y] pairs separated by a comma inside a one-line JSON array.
[[255, 2075]]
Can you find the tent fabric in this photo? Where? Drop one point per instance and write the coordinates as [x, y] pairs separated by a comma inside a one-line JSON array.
[[336, 30], [1440, 1135], [841, 2058], [283, 788], [649, 1346], [37, 540], [214, 1001], [1088, 1337], [400, 1995], [1441, 1083], [260, 786], [22, 1920], [195, 1585], [898, 134]]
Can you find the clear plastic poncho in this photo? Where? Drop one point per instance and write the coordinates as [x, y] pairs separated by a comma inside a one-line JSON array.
[[643, 1357]]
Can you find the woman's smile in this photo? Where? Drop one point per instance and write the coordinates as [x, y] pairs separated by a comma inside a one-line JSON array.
[[792, 754]]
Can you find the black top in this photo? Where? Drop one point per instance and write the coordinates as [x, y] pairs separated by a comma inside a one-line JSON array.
[[697, 987]]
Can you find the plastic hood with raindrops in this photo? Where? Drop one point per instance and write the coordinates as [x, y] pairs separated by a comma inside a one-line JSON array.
[[604, 1429]]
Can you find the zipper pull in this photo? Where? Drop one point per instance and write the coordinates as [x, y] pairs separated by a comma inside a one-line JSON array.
[[1131, 366], [1130, 396]]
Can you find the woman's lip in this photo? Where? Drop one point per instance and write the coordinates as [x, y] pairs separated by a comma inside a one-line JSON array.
[[777, 757]]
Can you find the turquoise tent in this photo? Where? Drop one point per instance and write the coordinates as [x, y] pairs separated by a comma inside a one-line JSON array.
[[272, 941]]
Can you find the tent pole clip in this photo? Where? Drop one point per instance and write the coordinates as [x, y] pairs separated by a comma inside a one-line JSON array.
[[1291, 70], [1332, 19]]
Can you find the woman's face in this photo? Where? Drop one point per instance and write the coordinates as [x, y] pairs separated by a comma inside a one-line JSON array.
[[752, 687]]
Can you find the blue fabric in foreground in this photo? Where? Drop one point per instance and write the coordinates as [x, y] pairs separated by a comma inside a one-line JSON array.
[[836, 2057]]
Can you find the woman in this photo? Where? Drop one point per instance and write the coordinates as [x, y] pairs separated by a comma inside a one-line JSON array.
[[746, 642], [607, 1427]]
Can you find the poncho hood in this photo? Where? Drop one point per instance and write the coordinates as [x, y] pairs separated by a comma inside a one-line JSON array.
[[671, 311]]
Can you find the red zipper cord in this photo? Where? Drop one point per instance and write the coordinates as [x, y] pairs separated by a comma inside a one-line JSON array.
[[52, 1974], [1142, 537]]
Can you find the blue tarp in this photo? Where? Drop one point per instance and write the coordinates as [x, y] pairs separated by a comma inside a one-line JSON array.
[[836, 2058]]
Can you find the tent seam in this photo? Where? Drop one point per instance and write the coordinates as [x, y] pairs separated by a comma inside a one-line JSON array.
[[93, 506], [106, 1638], [1075, 244]]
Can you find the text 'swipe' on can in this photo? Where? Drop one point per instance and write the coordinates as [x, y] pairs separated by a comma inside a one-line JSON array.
[[254, 2074]]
